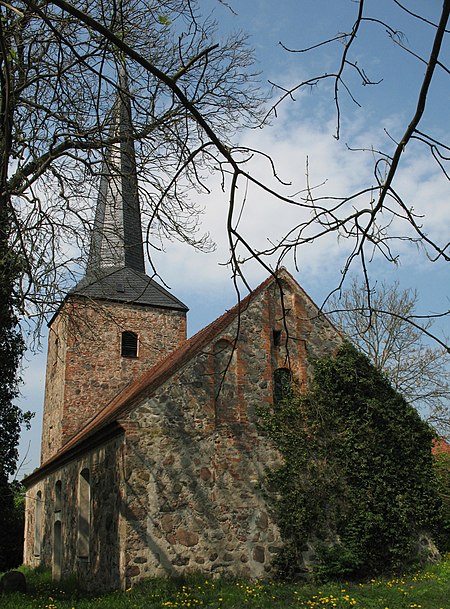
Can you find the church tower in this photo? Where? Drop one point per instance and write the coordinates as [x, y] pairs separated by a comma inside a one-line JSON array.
[[117, 321]]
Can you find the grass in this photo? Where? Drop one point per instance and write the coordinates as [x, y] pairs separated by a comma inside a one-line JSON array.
[[427, 589]]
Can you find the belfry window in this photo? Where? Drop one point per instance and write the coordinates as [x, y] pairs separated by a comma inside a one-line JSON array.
[[282, 384], [129, 346]]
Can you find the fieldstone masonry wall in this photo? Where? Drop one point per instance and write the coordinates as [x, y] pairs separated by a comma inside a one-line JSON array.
[[102, 570], [195, 480]]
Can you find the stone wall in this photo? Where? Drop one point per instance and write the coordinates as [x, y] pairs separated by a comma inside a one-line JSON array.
[[85, 369], [195, 496], [102, 568]]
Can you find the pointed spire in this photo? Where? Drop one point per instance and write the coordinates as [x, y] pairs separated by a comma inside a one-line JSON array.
[[117, 233], [115, 269]]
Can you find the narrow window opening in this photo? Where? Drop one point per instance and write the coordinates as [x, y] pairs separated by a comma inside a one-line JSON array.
[[57, 551], [58, 492], [129, 344], [282, 384], [38, 524], [55, 361], [276, 335], [84, 514]]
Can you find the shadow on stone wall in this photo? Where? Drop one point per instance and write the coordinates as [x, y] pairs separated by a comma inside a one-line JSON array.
[[194, 493]]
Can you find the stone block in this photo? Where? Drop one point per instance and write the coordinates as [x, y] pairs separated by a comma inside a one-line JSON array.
[[187, 538], [259, 554]]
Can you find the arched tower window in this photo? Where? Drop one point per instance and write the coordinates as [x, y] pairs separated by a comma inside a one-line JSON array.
[[84, 514], [129, 346], [282, 384], [38, 524]]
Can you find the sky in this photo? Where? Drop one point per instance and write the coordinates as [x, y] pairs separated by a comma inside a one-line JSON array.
[[302, 134]]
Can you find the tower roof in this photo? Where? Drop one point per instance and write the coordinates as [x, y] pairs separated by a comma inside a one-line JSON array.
[[124, 284], [115, 268], [117, 233]]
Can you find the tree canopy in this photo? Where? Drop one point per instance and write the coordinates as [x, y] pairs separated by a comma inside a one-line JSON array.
[[383, 325], [59, 69]]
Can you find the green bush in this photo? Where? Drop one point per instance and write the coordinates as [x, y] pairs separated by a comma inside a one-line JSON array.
[[12, 510], [356, 490], [441, 461]]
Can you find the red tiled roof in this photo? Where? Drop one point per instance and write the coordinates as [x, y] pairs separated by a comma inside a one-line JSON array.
[[440, 445], [153, 378]]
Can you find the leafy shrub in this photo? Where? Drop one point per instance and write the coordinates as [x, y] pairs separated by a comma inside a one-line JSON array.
[[356, 489], [441, 463], [12, 509]]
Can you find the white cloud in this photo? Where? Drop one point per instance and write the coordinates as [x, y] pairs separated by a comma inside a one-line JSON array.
[[333, 169]]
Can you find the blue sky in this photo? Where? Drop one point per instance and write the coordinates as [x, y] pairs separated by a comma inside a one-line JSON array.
[[305, 129]]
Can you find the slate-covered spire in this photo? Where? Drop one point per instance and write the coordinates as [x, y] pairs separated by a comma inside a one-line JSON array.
[[117, 233], [115, 269]]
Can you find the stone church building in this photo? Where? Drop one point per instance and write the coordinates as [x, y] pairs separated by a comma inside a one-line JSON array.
[[152, 459]]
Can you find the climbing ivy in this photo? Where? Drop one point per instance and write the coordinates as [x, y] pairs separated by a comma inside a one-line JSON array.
[[442, 470], [356, 489]]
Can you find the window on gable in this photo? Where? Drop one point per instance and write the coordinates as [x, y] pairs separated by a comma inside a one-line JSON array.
[[225, 387], [129, 347], [282, 384], [276, 335]]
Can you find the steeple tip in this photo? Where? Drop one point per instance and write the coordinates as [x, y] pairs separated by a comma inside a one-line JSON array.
[[117, 232]]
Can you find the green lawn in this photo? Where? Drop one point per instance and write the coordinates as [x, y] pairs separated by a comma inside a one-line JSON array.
[[427, 589]]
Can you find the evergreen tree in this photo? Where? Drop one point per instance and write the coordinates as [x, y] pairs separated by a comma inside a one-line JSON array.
[[11, 417]]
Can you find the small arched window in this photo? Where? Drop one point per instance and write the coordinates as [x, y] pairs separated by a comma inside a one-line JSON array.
[[84, 514], [129, 346], [276, 337], [38, 524], [282, 384]]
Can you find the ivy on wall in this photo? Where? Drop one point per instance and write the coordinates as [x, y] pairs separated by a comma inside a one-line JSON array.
[[442, 471], [356, 491]]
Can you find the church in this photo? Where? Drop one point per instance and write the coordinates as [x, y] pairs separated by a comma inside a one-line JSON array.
[[152, 459]]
